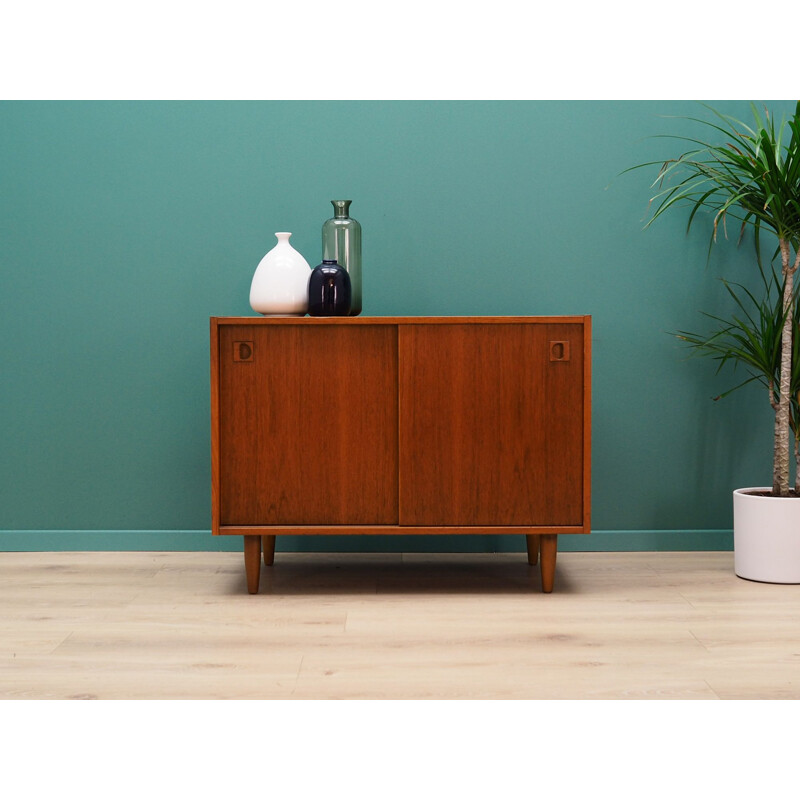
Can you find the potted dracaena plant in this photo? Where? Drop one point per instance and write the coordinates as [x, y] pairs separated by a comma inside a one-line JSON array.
[[752, 174]]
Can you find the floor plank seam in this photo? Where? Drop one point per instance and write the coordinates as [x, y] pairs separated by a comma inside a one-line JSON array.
[[712, 690], [60, 643], [297, 676], [698, 641]]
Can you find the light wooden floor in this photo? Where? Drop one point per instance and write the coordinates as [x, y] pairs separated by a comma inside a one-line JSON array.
[[181, 625]]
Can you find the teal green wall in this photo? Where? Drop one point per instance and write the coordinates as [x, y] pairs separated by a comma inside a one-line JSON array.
[[125, 225]]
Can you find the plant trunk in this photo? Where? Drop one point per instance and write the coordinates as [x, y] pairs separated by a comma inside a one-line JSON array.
[[780, 467], [797, 449], [797, 467]]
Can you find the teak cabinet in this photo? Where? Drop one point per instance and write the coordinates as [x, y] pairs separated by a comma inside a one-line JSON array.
[[400, 425]]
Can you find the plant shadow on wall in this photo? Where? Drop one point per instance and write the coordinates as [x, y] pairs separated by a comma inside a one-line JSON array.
[[751, 174]]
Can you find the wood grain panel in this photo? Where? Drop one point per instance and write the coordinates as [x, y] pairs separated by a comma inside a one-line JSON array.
[[356, 321], [169, 625], [491, 429], [308, 424], [397, 530]]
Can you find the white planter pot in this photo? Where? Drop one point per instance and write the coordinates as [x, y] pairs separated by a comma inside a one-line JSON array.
[[766, 537], [280, 282]]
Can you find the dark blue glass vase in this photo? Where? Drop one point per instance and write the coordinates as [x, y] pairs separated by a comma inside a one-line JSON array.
[[329, 290]]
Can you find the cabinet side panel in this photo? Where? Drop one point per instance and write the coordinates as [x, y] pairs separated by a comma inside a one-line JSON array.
[[308, 424], [214, 373], [587, 424], [491, 424]]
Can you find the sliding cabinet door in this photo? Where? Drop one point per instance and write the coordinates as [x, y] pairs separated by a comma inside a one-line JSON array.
[[308, 424], [491, 424]]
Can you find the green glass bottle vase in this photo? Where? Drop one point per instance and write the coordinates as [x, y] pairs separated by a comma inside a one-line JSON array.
[[341, 242]]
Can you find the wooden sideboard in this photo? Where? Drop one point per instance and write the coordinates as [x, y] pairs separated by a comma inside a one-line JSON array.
[[400, 425]]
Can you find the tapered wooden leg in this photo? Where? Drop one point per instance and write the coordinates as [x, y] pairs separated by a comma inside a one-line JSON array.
[[549, 546], [532, 540], [268, 544], [252, 562]]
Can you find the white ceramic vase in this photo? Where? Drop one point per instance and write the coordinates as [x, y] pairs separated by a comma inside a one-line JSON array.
[[766, 537], [280, 282]]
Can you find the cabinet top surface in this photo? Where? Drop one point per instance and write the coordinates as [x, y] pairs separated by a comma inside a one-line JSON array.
[[276, 320]]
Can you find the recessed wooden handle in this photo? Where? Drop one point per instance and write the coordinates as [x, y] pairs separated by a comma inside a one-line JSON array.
[[242, 351], [559, 351]]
